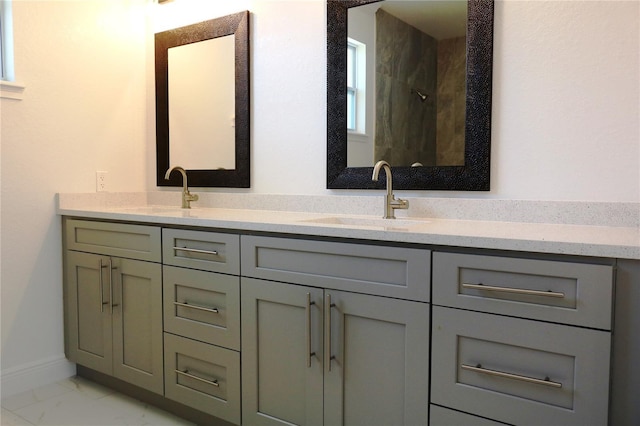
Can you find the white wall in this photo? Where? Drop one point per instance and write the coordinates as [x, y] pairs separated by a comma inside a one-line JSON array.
[[84, 109], [565, 122], [566, 116]]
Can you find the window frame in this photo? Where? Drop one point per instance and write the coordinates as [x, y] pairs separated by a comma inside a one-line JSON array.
[[9, 88], [6, 41], [356, 87]]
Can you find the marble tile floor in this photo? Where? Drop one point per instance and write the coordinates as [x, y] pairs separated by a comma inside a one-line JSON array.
[[77, 401]]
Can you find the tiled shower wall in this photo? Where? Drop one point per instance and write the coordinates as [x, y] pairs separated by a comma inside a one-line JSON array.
[[408, 128], [451, 101]]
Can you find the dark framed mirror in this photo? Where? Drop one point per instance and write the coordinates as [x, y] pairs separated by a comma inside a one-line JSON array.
[[202, 103], [473, 172]]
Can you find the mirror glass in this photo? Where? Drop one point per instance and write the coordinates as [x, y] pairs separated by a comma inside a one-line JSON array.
[[202, 103], [192, 88], [409, 61], [414, 89]]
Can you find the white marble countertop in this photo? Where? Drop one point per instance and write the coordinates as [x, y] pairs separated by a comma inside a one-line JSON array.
[[572, 239]]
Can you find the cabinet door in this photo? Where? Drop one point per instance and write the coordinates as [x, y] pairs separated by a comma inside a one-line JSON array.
[[137, 323], [281, 380], [88, 317], [377, 362]]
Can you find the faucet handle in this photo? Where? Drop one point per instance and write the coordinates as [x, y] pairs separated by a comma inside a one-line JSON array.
[[399, 203]]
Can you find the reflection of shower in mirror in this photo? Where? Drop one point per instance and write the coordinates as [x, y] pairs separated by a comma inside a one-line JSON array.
[[421, 95]]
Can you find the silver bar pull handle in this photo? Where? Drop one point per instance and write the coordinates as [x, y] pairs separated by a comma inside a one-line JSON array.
[[513, 290], [111, 268], [191, 376], [101, 283], [479, 369], [328, 305], [200, 308], [192, 250], [308, 309]]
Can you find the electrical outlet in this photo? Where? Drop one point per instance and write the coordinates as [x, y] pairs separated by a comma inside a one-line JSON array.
[[101, 181]]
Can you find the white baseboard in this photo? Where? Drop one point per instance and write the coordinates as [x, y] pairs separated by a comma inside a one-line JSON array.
[[40, 373]]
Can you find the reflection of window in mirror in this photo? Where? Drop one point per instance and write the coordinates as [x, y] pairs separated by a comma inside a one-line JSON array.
[[361, 44], [356, 86]]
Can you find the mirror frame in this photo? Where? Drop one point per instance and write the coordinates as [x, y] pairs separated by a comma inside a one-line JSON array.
[[475, 174], [236, 24]]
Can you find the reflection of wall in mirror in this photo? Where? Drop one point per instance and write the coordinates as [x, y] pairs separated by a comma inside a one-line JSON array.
[[202, 104]]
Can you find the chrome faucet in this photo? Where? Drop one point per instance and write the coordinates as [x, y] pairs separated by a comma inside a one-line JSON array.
[[390, 202], [187, 197]]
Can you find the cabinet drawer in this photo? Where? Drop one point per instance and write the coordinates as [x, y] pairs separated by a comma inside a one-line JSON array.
[[114, 239], [202, 376], [202, 305], [519, 371], [209, 251], [440, 416], [563, 292], [386, 271]]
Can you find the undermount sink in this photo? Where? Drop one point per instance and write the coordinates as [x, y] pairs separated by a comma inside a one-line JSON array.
[[369, 222]]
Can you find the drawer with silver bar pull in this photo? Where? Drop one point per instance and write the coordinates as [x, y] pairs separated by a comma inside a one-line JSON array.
[[554, 291], [208, 251]]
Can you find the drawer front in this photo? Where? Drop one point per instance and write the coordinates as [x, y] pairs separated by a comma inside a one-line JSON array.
[[440, 416], [139, 242], [209, 251], [519, 371], [202, 305], [202, 376], [386, 271], [563, 292]]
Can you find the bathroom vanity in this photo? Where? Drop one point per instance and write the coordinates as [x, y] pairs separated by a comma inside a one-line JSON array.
[[306, 320]]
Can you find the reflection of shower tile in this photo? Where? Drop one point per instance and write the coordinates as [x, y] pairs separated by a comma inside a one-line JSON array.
[[451, 101], [406, 61], [383, 109]]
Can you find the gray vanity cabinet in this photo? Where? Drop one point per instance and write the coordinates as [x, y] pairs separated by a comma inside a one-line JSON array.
[[278, 330], [313, 354], [521, 341], [113, 315], [201, 294]]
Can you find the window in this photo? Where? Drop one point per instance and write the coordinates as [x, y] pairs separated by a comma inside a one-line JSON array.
[[351, 86], [6, 42], [356, 83], [9, 89]]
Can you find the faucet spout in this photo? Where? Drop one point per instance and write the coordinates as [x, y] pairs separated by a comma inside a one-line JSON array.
[[390, 201], [187, 197]]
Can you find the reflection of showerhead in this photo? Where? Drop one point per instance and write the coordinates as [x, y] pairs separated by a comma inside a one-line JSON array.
[[421, 95]]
